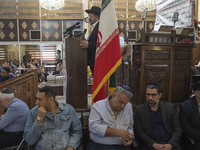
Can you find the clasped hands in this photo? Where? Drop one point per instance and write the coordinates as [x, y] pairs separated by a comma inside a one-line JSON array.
[[127, 138], [157, 146]]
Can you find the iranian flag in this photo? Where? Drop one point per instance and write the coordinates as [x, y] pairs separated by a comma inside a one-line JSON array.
[[108, 53]]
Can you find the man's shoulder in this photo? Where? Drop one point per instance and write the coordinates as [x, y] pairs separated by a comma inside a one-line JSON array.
[[166, 103], [66, 107], [100, 103], [142, 106], [34, 109], [187, 102], [19, 103]]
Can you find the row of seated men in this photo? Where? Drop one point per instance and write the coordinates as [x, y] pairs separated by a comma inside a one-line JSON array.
[[154, 125], [7, 71]]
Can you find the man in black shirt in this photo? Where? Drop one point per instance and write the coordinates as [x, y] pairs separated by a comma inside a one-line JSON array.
[[156, 123]]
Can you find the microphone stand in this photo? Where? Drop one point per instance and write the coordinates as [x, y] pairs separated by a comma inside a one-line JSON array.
[[144, 14]]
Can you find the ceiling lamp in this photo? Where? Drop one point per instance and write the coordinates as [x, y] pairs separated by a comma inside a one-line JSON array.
[[52, 4], [149, 5]]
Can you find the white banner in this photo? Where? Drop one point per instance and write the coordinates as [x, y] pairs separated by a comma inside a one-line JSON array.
[[166, 9]]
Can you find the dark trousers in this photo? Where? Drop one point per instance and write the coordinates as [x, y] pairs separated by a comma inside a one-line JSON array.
[[96, 146], [187, 145], [8, 139]]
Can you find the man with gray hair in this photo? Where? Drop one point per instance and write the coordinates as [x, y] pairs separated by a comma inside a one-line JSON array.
[[111, 121], [12, 118]]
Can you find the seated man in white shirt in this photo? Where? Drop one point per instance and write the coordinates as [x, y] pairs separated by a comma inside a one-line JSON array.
[[111, 122]]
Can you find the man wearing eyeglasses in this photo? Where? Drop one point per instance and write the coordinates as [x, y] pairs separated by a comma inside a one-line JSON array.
[[111, 122], [157, 125]]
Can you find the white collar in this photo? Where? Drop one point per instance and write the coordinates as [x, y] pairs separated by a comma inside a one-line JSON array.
[[94, 24]]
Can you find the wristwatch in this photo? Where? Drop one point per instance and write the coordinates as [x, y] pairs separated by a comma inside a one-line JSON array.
[[38, 118]]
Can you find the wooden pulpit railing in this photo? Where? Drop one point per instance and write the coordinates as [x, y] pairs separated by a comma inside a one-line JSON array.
[[25, 87]]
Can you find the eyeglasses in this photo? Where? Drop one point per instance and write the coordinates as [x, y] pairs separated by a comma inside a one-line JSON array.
[[121, 102], [153, 95]]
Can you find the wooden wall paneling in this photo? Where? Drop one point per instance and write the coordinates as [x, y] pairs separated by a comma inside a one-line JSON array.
[[155, 68], [122, 28], [9, 30], [25, 87], [196, 9], [156, 73], [134, 72], [7, 9], [71, 10], [167, 65], [195, 54], [51, 30], [29, 9], [21, 9], [25, 25], [181, 80], [181, 74]]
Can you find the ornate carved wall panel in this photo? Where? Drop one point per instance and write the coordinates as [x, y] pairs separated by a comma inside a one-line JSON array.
[[166, 65], [134, 72], [182, 55], [196, 54], [181, 81], [8, 30], [25, 25], [157, 54], [157, 73], [51, 30]]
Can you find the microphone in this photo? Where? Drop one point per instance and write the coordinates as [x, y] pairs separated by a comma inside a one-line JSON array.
[[76, 25], [83, 34]]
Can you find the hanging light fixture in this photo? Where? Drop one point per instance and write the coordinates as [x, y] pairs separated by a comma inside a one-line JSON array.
[[149, 5], [52, 4]]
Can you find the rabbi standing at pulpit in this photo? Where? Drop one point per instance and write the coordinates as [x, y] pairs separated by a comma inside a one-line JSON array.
[[91, 42]]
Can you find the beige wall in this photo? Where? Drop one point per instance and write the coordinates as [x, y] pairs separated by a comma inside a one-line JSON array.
[[13, 52]]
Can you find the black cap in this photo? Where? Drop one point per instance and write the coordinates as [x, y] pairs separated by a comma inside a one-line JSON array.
[[6, 91], [95, 10], [126, 88], [196, 82]]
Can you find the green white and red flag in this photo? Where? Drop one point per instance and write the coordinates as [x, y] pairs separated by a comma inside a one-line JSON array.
[[108, 53]]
